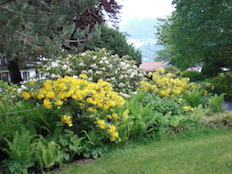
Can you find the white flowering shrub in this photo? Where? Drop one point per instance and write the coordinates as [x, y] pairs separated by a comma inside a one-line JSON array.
[[123, 74]]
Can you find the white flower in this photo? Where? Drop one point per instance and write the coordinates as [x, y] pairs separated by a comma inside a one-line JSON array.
[[54, 64], [65, 67], [90, 71], [93, 65], [81, 64]]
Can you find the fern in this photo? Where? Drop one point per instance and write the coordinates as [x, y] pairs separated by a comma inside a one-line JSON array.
[[47, 153], [20, 148], [194, 97], [216, 103]]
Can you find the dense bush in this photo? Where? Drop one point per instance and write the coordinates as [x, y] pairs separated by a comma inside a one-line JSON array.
[[165, 84], [222, 84], [193, 75], [8, 92], [99, 64]]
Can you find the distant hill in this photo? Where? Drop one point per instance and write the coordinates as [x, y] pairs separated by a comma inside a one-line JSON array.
[[140, 33]]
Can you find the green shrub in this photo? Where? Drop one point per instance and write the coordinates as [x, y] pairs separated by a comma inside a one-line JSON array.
[[222, 84], [193, 75], [193, 97], [20, 151], [9, 92], [216, 103], [164, 105]]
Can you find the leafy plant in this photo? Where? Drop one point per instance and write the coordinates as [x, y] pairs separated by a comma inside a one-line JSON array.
[[47, 154], [216, 103], [193, 97], [143, 116], [193, 75], [93, 146], [20, 150], [18, 166], [70, 144]]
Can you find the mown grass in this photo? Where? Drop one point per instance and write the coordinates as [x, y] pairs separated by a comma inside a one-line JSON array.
[[209, 152]]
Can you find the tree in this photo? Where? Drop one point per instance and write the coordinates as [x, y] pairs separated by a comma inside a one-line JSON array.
[[115, 42], [30, 28], [198, 33]]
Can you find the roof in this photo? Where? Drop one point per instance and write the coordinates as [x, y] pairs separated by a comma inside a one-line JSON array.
[[151, 66]]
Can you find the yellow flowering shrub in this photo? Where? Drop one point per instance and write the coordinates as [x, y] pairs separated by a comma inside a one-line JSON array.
[[165, 84], [74, 96]]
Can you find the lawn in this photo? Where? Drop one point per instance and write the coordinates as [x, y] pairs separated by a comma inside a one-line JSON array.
[[208, 152]]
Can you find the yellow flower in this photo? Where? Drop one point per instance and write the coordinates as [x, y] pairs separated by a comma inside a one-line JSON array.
[[187, 108], [50, 94], [59, 102], [111, 129], [84, 76], [114, 115], [31, 83], [67, 119], [112, 138], [26, 95], [101, 124], [90, 109], [47, 103], [149, 74]]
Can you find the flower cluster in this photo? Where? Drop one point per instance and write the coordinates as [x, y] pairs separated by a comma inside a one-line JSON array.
[[164, 84], [123, 74], [67, 119], [95, 100]]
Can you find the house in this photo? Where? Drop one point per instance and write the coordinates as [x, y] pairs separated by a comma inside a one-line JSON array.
[[27, 72], [151, 66]]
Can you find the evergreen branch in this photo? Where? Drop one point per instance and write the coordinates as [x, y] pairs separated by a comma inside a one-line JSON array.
[[6, 1], [9, 10]]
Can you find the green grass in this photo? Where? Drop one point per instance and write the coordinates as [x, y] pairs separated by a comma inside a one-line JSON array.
[[209, 152]]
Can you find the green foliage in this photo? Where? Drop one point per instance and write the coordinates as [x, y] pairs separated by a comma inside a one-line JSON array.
[[163, 105], [8, 92], [216, 103], [18, 166], [193, 75], [222, 84], [189, 41], [115, 42], [93, 146], [70, 144], [198, 113], [46, 154], [20, 147], [193, 97], [20, 150]]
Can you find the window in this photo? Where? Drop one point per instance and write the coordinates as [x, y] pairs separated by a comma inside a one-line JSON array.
[[26, 76], [4, 76]]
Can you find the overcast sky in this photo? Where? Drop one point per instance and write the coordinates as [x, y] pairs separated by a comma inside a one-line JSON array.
[[145, 9]]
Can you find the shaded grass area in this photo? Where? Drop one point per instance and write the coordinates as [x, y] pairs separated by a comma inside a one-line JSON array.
[[207, 152]]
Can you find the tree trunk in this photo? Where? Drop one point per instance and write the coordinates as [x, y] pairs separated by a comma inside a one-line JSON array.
[[15, 75]]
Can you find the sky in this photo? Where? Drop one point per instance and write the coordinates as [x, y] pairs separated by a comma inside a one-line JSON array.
[[144, 9]]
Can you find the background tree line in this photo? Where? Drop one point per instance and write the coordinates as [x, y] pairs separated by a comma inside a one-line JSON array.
[[198, 33], [29, 29]]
